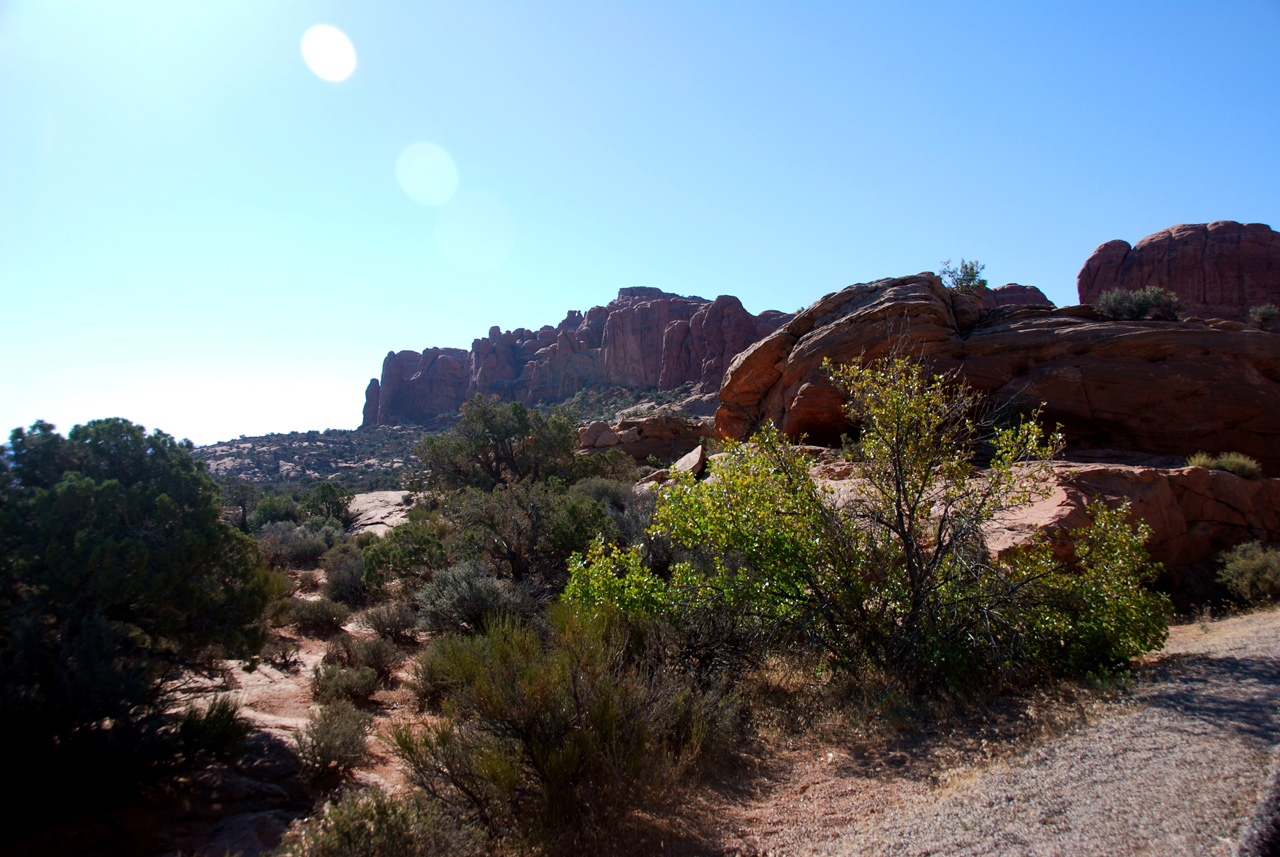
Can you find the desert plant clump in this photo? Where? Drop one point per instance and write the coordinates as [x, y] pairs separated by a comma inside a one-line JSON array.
[[1151, 302], [1263, 316], [462, 598], [333, 682], [1251, 572], [372, 822], [320, 617], [334, 740], [217, 729], [378, 654], [1232, 462], [344, 574], [395, 621]]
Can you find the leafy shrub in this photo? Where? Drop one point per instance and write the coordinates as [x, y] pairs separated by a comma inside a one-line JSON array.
[[395, 621], [273, 507], [334, 740], [553, 738], [1150, 302], [372, 822], [967, 278], [327, 500], [1232, 462], [1251, 572], [344, 574], [409, 549], [306, 550], [377, 654], [332, 682], [218, 729], [1263, 316], [462, 599], [309, 581], [320, 617]]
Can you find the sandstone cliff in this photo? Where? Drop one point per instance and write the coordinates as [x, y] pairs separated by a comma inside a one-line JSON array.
[[1216, 269], [1156, 387], [646, 338]]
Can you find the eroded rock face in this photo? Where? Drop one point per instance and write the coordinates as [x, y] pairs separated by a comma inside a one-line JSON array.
[[1153, 387], [1014, 294], [1216, 269], [646, 338], [662, 435]]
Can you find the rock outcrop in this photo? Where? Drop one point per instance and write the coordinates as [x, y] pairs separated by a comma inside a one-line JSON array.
[[662, 435], [1216, 269], [646, 338], [1014, 294], [1153, 387]]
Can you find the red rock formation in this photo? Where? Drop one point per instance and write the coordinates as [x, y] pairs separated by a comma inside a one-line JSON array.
[[646, 338], [662, 435], [1216, 269], [1014, 295], [1155, 387]]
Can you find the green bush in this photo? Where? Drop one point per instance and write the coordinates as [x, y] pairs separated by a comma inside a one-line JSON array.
[[1150, 302], [273, 507], [334, 740], [1202, 459], [395, 621], [332, 682], [378, 654], [306, 550], [462, 599], [1251, 572], [1263, 316], [967, 278], [320, 617], [218, 729], [344, 575], [1232, 462], [553, 738], [411, 549], [327, 501], [372, 823]]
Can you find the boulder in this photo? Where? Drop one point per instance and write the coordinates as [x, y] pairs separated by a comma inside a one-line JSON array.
[[1151, 387], [662, 435], [1215, 269], [379, 511], [1014, 294], [695, 461]]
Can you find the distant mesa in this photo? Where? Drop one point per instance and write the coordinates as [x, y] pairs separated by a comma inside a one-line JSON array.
[[645, 339], [1216, 269]]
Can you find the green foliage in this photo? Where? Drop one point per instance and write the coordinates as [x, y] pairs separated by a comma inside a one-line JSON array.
[[411, 549], [1263, 316], [217, 729], [273, 507], [242, 497], [462, 599], [377, 654], [1251, 572], [371, 822], [1150, 302], [345, 574], [1097, 614], [611, 576], [321, 617], [497, 443], [967, 278], [1232, 462], [332, 682], [334, 740], [395, 621], [115, 572], [327, 501], [553, 737]]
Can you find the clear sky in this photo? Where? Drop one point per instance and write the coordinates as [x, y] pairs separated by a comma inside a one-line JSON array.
[[202, 233]]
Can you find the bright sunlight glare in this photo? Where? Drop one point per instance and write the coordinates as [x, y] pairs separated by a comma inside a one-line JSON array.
[[427, 173], [329, 53]]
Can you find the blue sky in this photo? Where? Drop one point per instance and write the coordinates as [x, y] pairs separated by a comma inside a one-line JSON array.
[[201, 234]]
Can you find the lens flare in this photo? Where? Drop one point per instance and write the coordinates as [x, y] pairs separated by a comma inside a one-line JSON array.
[[329, 53], [427, 174], [475, 231]]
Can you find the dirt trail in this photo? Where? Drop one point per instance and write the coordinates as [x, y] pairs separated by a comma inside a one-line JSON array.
[[1175, 767]]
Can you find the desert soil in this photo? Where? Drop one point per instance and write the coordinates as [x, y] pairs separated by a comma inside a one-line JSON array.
[[1173, 766]]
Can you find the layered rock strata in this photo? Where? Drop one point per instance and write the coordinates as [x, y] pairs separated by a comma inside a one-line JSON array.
[[1153, 387], [1216, 269], [1014, 294], [646, 338], [661, 435]]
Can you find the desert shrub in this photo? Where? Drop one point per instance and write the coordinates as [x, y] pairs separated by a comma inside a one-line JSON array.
[[967, 278], [327, 500], [372, 822], [395, 621], [217, 729], [411, 549], [273, 507], [333, 682], [1149, 302], [1251, 572], [1240, 464], [321, 617], [462, 598], [1263, 316], [378, 654], [334, 740], [555, 737], [1232, 462], [309, 581], [306, 550], [344, 574]]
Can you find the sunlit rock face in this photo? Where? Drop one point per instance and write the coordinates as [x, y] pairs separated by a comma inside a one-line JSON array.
[[1219, 269], [646, 338], [1170, 388]]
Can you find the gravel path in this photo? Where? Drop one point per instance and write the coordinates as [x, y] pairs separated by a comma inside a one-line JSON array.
[[1176, 767]]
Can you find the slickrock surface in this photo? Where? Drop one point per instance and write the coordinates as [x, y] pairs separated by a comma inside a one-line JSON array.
[[1216, 269], [1168, 388]]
